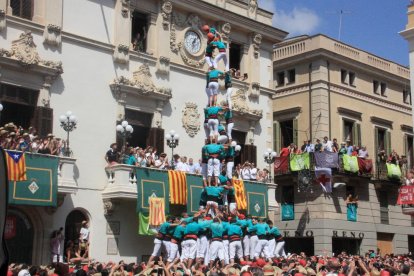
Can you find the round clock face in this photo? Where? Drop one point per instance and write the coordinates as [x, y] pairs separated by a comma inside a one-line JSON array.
[[192, 42]]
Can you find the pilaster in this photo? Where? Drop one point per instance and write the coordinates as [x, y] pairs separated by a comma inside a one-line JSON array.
[[122, 32], [3, 10], [152, 42], [52, 33]]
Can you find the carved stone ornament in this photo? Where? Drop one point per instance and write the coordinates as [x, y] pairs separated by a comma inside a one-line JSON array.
[[240, 105], [52, 35], [191, 119], [121, 54], [255, 91], [197, 62], [166, 10], [225, 30], [257, 40], [109, 207], [141, 84], [163, 66], [2, 19], [252, 9], [23, 50]]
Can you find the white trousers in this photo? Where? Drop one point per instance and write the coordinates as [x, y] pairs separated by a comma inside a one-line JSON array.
[[204, 170], [272, 248], [174, 252], [213, 167], [189, 249], [208, 96], [229, 169], [262, 246], [213, 87], [229, 129], [209, 61], [235, 249], [216, 250], [226, 251], [213, 125], [280, 249], [228, 96], [157, 248], [222, 139], [221, 56], [246, 245], [253, 243], [202, 247], [207, 130], [167, 246]]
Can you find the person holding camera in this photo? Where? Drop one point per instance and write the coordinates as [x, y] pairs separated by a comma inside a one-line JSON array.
[[56, 240]]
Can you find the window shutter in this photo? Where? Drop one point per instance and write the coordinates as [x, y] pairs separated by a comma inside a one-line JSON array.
[[356, 134], [358, 127], [376, 141], [405, 143], [276, 136], [295, 131], [156, 139], [388, 142], [250, 153], [43, 120], [343, 131]]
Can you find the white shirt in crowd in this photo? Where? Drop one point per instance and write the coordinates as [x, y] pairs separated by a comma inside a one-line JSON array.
[[253, 174], [362, 153], [182, 167], [84, 233], [327, 146], [193, 168], [245, 174]]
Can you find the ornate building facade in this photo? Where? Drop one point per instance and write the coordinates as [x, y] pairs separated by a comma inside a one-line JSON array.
[[110, 60]]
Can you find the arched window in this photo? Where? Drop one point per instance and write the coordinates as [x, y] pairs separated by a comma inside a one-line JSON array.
[[73, 225]]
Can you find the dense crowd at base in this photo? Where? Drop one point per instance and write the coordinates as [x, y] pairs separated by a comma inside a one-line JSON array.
[[292, 265]]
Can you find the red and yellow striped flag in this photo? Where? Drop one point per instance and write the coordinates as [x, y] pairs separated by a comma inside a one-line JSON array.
[[240, 194], [156, 211], [178, 187], [16, 166]]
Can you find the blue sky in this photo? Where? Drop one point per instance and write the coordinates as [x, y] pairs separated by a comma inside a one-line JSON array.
[[371, 25]]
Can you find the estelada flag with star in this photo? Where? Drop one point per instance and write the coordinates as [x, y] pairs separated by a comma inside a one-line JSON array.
[[324, 178], [16, 165]]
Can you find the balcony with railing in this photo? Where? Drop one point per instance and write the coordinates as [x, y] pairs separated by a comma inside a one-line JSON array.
[[361, 167], [125, 182]]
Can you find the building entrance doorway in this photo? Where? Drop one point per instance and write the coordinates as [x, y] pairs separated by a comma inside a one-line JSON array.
[[297, 245], [384, 243], [73, 225], [19, 236], [349, 245]]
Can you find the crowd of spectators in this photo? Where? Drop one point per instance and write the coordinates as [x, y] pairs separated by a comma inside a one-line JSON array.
[[343, 264], [150, 158], [14, 137]]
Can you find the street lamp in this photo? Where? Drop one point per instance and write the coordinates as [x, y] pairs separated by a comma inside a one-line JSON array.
[[172, 141], [68, 122], [1, 108], [269, 157], [124, 130]]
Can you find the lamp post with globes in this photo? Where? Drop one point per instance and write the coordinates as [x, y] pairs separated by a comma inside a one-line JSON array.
[[269, 157], [124, 130], [172, 141], [68, 122], [1, 109]]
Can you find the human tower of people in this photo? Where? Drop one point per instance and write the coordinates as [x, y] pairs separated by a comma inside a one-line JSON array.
[[218, 232]]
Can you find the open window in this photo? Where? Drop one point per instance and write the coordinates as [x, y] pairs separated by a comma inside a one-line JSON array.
[[22, 8], [139, 31], [235, 55]]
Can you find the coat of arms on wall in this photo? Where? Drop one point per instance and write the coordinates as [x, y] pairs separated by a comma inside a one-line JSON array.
[[191, 119]]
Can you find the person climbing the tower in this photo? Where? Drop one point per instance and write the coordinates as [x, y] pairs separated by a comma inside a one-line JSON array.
[[213, 86], [222, 55]]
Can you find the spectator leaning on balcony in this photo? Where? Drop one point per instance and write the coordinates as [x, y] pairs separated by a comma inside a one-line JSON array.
[[342, 149], [335, 146], [253, 172], [245, 171], [318, 145], [112, 154], [349, 147], [285, 151], [327, 144], [393, 157], [131, 160], [363, 152], [162, 162]]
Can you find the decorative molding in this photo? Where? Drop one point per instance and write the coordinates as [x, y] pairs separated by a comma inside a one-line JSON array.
[[191, 119], [255, 90], [350, 113], [197, 62], [287, 113], [24, 53], [225, 31], [2, 20], [173, 39], [52, 35], [121, 54], [141, 84], [163, 65], [221, 3], [381, 121], [241, 108], [407, 128], [257, 40], [166, 10], [125, 10], [109, 206]]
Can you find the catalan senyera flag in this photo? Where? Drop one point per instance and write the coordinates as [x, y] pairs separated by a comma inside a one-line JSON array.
[[16, 165], [156, 211], [178, 187], [239, 190]]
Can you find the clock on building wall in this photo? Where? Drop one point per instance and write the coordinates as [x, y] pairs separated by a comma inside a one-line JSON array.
[[192, 42]]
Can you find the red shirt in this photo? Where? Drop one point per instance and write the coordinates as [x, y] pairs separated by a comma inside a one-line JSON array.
[[284, 152]]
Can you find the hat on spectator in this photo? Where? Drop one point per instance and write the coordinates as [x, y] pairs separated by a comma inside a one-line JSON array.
[[268, 270], [50, 135], [2, 132], [112, 145], [302, 262], [261, 262], [163, 154], [311, 271], [12, 133], [233, 271], [25, 134]]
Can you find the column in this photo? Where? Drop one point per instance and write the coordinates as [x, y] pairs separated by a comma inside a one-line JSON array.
[[152, 34]]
